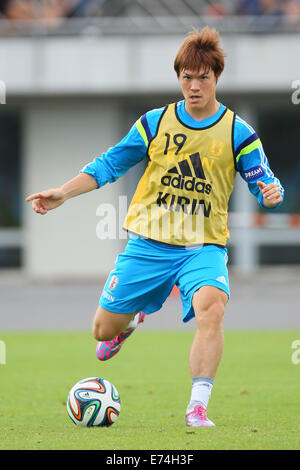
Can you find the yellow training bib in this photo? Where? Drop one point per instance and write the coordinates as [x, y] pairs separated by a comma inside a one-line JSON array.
[[182, 197]]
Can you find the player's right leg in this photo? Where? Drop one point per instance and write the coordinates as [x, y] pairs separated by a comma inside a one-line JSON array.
[[112, 329], [139, 284], [108, 324]]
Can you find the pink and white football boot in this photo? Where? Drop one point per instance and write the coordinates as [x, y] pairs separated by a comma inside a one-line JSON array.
[[198, 418]]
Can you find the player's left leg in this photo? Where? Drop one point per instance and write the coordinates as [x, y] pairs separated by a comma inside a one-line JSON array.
[[209, 305], [206, 351]]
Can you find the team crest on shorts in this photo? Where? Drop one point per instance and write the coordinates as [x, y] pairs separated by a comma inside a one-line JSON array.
[[113, 282]]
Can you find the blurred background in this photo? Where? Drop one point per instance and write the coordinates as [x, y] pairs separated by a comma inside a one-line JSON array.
[[74, 76]]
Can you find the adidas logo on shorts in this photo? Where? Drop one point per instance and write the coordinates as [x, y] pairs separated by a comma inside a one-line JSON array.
[[222, 279]]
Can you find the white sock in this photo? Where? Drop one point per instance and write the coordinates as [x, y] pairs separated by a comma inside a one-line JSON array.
[[201, 391], [133, 323]]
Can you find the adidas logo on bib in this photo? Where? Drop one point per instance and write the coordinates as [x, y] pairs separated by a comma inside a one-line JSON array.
[[185, 179]]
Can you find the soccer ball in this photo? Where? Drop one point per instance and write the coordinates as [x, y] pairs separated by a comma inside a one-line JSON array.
[[93, 402]]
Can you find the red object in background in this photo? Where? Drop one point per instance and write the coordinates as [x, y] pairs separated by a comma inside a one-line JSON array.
[[175, 291]]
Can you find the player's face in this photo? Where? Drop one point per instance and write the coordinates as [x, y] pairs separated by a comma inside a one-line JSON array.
[[198, 89]]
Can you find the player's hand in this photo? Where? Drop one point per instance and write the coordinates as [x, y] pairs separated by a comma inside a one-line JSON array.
[[271, 193], [46, 200]]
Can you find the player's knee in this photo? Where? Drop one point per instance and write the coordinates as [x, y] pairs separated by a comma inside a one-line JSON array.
[[216, 313], [211, 315], [102, 332], [209, 306]]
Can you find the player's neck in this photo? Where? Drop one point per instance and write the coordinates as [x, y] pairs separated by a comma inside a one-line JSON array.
[[203, 113]]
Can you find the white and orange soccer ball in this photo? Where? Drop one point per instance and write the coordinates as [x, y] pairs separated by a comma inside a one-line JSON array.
[[93, 402]]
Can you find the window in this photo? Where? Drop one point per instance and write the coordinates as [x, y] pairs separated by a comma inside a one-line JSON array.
[[280, 135], [10, 188]]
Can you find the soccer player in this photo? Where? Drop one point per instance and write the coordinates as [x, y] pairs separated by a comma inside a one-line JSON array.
[[178, 215]]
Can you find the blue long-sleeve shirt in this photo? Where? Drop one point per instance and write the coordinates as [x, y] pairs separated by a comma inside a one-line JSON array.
[[251, 161]]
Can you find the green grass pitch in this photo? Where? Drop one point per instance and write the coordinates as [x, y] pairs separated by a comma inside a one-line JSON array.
[[254, 403]]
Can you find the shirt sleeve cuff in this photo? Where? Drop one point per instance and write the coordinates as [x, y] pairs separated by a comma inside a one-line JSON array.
[[90, 171]]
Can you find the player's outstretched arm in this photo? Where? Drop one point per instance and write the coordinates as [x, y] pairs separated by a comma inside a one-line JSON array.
[[49, 199]]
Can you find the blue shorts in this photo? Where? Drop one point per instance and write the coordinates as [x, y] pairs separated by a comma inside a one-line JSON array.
[[147, 271]]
